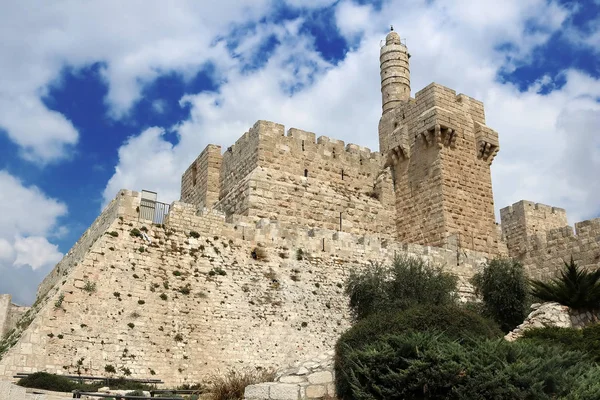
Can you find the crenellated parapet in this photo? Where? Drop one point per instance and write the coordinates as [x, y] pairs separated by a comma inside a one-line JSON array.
[[439, 151], [294, 177], [540, 237]]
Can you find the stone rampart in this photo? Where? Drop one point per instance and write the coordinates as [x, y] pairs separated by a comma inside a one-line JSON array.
[[204, 292], [440, 152], [78, 251], [201, 182], [539, 236], [311, 182]]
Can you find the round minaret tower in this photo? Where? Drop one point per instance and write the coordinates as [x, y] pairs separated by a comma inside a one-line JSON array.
[[395, 73]]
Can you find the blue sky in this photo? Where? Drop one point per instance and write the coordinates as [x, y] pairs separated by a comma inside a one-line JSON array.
[[102, 95]]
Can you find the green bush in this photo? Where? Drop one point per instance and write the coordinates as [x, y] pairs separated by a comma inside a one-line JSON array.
[[407, 282], [427, 365], [231, 385], [586, 340], [43, 380], [504, 290], [454, 322], [575, 288]]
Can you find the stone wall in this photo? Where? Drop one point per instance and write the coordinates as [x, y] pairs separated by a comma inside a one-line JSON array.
[[298, 179], [10, 314], [203, 294], [201, 182], [540, 237], [124, 200], [440, 153], [524, 219]]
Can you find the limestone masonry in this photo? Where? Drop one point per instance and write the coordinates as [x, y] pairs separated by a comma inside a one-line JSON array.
[[248, 268]]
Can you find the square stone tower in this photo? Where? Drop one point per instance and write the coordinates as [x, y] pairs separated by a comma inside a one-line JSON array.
[[439, 151]]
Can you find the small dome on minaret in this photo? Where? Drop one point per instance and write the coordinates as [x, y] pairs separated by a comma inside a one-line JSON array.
[[392, 38]]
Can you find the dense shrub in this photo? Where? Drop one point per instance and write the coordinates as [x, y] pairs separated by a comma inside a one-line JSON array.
[[504, 290], [586, 340], [455, 323], [575, 288], [43, 380], [426, 365], [231, 385], [57, 383], [407, 282]]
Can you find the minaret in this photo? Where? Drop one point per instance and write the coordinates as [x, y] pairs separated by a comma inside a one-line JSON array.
[[395, 73]]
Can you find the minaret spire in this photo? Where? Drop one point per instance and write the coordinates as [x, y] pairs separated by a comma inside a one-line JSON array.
[[395, 72]]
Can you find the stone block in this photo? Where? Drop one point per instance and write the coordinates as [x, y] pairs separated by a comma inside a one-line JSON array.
[[316, 391], [257, 392], [284, 391], [320, 377]]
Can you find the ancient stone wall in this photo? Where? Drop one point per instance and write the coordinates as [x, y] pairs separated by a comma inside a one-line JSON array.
[[13, 314], [539, 236], [440, 153], [203, 293], [78, 251], [4, 312], [201, 182], [524, 219], [296, 178]]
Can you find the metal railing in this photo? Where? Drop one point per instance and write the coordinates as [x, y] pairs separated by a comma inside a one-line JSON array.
[[152, 210]]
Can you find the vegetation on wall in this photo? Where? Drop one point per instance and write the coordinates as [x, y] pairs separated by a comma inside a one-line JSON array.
[[429, 351], [504, 290], [575, 287], [409, 281]]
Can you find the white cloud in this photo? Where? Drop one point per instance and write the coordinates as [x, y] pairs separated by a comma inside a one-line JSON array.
[[36, 252], [452, 44], [136, 40], [28, 217]]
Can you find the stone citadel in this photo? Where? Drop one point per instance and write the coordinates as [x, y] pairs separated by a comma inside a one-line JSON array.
[[247, 269]]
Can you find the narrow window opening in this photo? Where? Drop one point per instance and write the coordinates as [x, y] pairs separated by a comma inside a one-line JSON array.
[[303, 145], [333, 153], [342, 174], [340, 222], [194, 174], [306, 173], [323, 244], [361, 161]]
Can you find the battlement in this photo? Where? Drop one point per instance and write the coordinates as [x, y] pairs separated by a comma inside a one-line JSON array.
[[293, 177], [540, 237]]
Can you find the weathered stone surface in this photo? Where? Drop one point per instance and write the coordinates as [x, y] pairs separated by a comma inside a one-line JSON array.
[[284, 391], [257, 392], [550, 315], [320, 377]]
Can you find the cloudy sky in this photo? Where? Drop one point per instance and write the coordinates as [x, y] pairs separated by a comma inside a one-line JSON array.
[[101, 95]]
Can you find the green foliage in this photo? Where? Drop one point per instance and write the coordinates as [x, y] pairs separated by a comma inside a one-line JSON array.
[[113, 234], [194, 234], [163, 296], [505, 293], [135, 232], [178, 337], [59, 301], [407, 282], [586, 340], [299, 254], [110, 369], [575, 288], [131, 325], [454, 322], [43, 380], [135, 393], [141, 302], [426, 365]]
